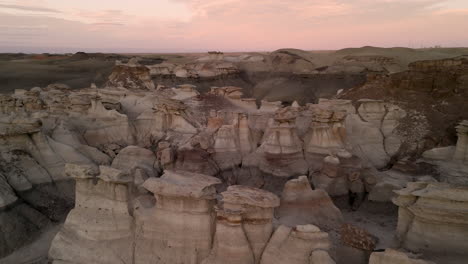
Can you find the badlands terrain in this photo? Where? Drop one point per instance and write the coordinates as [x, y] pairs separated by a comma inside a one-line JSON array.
[[303, 157]]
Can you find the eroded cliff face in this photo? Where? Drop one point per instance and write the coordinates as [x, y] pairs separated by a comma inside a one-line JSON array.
[[433, 93], [182, 223], [432, 217], [224, 161]]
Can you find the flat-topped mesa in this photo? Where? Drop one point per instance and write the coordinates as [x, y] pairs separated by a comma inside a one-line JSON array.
[[179, 229], [392, 256], [297, 246], [244, 223], [302, 205], [433, 217], [100, 220]]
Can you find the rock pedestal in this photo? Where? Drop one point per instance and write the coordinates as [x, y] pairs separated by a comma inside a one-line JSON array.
[[179, 229], [246, 216], [301, 205], [433, 217], [100, 228]]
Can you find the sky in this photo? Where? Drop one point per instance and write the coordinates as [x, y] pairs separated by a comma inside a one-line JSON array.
[[228, 25]]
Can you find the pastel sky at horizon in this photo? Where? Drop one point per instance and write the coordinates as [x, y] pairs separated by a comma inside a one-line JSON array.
[[228, 25]]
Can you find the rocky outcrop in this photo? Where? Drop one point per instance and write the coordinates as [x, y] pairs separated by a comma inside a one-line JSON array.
[[121, 137], [378, 121], [201, 69], [452, 161], [179, 224], [104, 127], [99, 228], [278, 158], [131, 76], [432, 93], [301, 205], [244, 225], [392, 180], [179, 228], [433, 217], [302, 244]]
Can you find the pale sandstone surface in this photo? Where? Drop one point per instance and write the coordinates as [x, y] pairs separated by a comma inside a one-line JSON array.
[[452, 161], [295, 245], [302, 205], [179, 228], [98, 229], [122, 136], [432, 217]]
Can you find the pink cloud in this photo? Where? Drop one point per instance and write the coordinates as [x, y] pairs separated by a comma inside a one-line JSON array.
[[259, 25]]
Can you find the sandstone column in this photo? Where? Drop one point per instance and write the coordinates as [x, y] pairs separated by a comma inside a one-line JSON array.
[[179, 229], [461, 152]]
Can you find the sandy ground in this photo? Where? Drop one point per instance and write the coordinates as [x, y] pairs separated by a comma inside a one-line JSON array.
[[34, 253], [379, 219]]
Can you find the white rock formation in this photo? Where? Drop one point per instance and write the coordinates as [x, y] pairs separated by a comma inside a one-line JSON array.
[[433, 217], [301, 205], [179, 228], [99, 228], [452, 161], [244, 225], [296, 245]]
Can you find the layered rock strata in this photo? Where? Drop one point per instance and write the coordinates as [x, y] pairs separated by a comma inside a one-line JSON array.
[[302, 244], [301, 205], [433, 217], [244, 225], [179, 228], [452, 161], [100, 227]]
